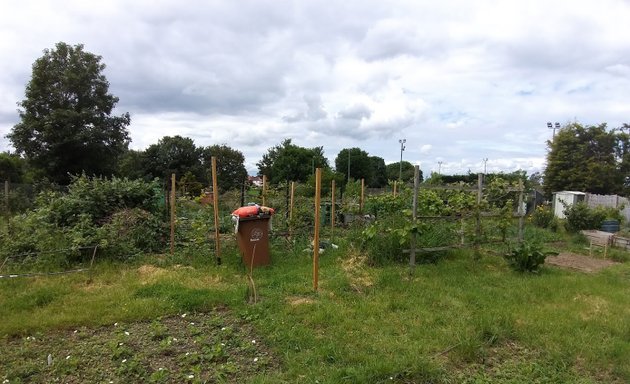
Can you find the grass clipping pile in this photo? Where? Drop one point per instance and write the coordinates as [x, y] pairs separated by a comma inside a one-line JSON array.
[[188, 348]]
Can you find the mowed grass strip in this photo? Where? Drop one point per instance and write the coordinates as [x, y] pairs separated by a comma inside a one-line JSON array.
[[460, 320]]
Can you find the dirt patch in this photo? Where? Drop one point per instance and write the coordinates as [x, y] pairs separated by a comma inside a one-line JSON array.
[[579, 262]]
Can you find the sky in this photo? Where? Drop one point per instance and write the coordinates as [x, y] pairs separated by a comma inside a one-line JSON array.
[[467, 84]]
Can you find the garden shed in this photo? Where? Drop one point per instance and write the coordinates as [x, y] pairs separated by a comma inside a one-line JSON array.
[[564, 199]]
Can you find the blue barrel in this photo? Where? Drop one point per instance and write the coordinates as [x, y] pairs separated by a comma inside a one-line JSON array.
[[611, 226]]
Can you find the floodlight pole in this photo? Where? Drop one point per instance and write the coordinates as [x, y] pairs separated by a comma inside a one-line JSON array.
[[440, 167], [485, 162], [554, 126]]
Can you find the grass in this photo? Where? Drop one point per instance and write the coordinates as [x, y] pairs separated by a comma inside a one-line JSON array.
[[463, 319]]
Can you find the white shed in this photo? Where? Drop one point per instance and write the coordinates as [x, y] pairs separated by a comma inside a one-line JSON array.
[[565, 199]]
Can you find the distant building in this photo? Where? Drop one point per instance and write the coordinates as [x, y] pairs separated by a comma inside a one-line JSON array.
[[256, 181]]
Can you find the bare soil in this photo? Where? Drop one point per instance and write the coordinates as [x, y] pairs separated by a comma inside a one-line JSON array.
[[579, 262]]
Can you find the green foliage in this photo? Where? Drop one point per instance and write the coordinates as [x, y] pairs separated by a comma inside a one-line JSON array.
[[65, 124], [360, 164], [172, 154], [231, 172], [579, 216], [122, 216], [289, 162], [527, 257], [543, 217], [408, 171], [590, 159]]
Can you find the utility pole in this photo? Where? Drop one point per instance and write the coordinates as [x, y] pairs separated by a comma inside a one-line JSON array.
[[402, 148]]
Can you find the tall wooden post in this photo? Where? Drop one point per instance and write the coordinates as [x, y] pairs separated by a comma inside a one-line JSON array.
[[416, 187], [264, 191], [318, 187], [172, 213], [362, 196], [521, 211], [215, 199], [332, 211], [394, 188], [478, 218]]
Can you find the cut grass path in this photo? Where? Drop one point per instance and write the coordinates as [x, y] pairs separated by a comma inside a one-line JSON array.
[[460, 320]]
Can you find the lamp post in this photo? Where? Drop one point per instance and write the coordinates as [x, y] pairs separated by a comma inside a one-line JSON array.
[[402, 148], [485, 162], [554, 126], [440, 167]]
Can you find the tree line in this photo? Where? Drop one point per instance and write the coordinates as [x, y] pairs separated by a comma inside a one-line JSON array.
[[67, 128]]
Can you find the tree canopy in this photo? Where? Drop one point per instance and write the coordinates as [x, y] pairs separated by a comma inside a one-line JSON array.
[[231, 170], [393, 171], [66, 123], [289, 162], [590, 159], [360, 163]]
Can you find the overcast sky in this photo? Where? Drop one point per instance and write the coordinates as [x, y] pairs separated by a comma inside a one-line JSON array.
[[461, 81]]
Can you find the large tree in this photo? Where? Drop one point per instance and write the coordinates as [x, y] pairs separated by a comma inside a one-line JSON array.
[[359, 163], [584, 159], [289, 162], [173, 154], [378, 174], [231, 170], [393, 171], [66, 123]]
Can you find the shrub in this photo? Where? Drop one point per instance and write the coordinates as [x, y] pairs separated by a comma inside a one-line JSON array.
[[579, 216], [543, 217], [527, 257]]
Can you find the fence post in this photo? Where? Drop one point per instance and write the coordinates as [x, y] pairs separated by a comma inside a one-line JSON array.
[[264, 191], [243, 193], [332, 212], [172, 213], [215, 199], [394, 188], [478, 218], [521, 211], [362, 196], [416, 187], [318, 180]]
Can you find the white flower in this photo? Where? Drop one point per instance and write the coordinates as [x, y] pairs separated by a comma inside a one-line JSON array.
[[126, 333], [174, 339], [67, 357], [121, 344], [255, 359], [191, 323], [223, 344], [253, 341], [191, 376], [115, 324], [187, 353], [160, 369], [75, 331], [184, 315], [5, 381], [223, 329], [124, 360]]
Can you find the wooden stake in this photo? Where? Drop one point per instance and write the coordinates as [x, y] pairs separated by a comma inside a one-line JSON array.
[[332, 212], [521, 211], [292, 200], [172, 213], [362, 195], [416, 187], [215, 199], [264, 191], [318, 186], [394, 188]]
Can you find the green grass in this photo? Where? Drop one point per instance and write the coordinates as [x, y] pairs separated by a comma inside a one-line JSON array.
[[460, 320]]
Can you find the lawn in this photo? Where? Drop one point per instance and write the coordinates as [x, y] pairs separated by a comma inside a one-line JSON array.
[[171, 319]]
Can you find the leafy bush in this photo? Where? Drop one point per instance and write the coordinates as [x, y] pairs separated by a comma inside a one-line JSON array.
[[543, 217], [579, 216], [527, 257], [122, 216]]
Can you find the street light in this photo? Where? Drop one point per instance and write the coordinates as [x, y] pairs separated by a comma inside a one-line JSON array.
[[402, 148], [554, 127]]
